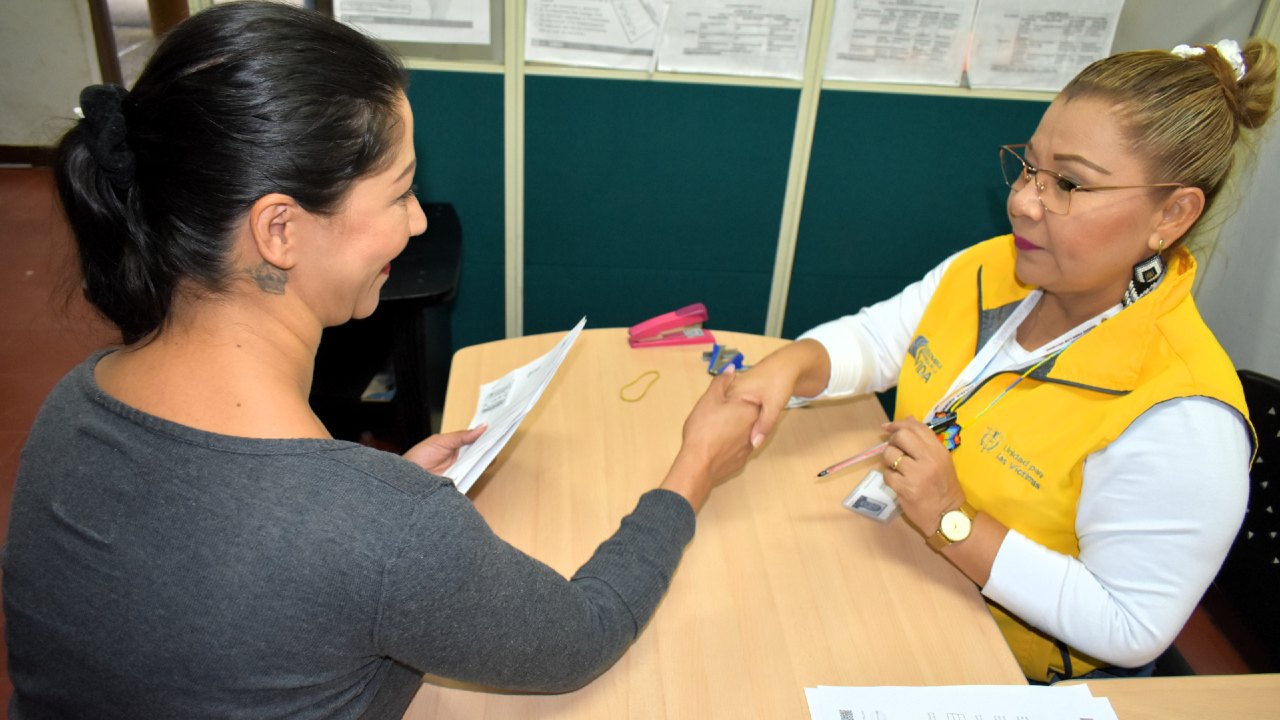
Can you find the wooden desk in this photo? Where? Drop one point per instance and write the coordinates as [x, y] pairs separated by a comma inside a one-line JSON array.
[[1196, 697], [781, 588]]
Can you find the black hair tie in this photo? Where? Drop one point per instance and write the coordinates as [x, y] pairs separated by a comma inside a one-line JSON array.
[[106, 132]]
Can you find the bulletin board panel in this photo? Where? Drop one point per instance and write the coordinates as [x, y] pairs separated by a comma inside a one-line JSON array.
[[459, 142], [896, 183], [644, 197]]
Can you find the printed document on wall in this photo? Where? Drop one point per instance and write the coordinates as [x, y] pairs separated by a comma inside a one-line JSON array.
[[903, 41], [736, 37], [598, 33], [455, 22], [1039, 45]]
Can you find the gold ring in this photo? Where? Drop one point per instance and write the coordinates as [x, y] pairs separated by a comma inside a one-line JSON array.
[[894, 466]]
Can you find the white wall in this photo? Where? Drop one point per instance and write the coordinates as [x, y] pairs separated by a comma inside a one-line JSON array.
[[48, 56], [1147, 24], [1239, 294]]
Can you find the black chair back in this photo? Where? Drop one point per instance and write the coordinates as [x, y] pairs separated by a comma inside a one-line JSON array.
[[1250, 577]]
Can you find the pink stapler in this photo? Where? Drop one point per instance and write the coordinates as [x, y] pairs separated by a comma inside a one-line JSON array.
[[678, 327]]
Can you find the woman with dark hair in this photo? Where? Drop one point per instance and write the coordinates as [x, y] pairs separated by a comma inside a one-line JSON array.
[[186, 538]]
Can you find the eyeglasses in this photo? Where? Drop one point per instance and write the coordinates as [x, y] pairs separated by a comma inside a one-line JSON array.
[[1055, 196]]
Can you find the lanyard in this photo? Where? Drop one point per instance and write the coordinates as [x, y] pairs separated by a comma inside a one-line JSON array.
[[972, 377]]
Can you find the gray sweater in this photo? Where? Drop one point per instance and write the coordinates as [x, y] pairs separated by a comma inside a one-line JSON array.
[[154, 570]]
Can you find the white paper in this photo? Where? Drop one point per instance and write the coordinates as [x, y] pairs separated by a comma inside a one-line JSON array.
[[455, 22], [502, 404], [597, 33], [750, 37], [1039, 45], [958, 702], [904, 41]]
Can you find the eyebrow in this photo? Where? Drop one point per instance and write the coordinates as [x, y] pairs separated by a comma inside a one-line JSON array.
[[1076, 158], [408, 170], [1080, 159]]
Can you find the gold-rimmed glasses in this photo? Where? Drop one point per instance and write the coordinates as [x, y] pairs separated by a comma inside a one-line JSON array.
[[1053, 190]]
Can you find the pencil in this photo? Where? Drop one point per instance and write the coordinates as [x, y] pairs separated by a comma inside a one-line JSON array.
[[869, 452], [940, 422]]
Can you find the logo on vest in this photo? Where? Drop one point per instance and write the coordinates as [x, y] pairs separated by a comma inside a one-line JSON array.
[[926, 363], [993, 441]]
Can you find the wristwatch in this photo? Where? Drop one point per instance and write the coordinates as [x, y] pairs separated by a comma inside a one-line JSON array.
[[953, 526]]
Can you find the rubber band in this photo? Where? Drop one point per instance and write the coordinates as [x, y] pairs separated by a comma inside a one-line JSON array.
[[622, 393]]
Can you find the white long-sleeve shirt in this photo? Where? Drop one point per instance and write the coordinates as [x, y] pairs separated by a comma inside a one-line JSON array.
[[1159, 506]]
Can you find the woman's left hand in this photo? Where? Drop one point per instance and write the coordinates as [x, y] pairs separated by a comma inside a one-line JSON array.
[[919, 469], [438, 452]]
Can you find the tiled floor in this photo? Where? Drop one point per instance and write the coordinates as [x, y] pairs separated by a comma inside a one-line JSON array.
[[45, 325]]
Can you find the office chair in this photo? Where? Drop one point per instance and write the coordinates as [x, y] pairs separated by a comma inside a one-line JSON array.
[[1241, 605], [1250, 577]]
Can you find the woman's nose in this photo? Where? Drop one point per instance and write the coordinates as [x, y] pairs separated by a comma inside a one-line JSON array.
[[1025, 201], [417, 220]]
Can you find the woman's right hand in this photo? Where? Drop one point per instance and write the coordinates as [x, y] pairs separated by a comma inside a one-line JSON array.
[[801, 368], [715, 441]]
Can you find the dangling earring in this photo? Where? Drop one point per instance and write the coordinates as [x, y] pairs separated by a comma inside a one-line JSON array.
[[1146, 276]]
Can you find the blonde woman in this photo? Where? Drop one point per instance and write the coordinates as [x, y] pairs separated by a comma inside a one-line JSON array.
[[1104, 446]]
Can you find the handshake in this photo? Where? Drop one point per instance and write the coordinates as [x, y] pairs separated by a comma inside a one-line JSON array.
[[738, 412], [872, 497], [740, 409]]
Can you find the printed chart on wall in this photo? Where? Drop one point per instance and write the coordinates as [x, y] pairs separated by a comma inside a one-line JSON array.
[[904, 41], [596, 33], [456, 22], [1040, 46], [736, 37]]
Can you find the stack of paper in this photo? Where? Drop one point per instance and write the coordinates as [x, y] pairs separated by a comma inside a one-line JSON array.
[[503, 403], [958, 702]]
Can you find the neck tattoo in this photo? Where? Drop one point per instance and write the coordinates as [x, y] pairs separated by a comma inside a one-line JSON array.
[[269, 278]]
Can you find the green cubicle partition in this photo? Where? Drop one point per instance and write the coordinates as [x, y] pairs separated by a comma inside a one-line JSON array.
[[896, 184], [641, 197], [458, 139]]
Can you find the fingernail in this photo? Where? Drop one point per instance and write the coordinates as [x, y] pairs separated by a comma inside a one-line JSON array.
[[757, 439]]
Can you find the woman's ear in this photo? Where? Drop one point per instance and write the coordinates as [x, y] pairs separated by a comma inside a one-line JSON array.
[[1177, 214], [274, 223]]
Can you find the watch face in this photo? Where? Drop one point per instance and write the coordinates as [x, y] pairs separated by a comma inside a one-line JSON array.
[[955, 526]]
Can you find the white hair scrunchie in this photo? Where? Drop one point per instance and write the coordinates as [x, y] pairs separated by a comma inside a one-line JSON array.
[[1229, 50]]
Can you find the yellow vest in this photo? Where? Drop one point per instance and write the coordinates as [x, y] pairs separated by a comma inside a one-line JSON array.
[[1022, 462]]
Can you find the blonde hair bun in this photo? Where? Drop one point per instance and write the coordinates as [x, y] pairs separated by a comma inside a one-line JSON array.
[[1256, 91]]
